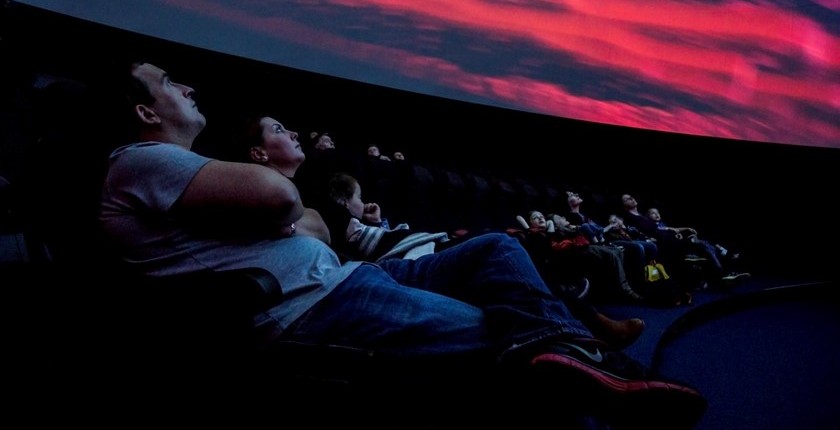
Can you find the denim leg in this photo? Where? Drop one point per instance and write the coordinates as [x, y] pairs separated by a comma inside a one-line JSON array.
[[597, 229], [651, 250], [493, 272], [708, 251], [612, 262], [589, 232], [369, 310], [635, 257]]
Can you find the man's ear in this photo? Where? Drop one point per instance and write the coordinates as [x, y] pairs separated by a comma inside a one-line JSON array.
[[147, 114], [259, 155]]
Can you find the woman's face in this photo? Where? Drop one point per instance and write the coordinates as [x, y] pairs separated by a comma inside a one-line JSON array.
[[280, 147]]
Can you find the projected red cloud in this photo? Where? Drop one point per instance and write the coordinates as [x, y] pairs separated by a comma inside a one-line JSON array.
[[760, 71]]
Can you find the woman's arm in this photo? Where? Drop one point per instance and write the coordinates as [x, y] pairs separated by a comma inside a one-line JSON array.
[[311, 224]]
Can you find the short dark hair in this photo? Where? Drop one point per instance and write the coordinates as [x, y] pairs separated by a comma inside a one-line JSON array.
[[131, 92], [136, 91], [342, 187], [314, 136], [247, 135]]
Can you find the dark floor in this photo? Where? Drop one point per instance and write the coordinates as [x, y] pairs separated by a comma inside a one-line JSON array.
[[763, 353]]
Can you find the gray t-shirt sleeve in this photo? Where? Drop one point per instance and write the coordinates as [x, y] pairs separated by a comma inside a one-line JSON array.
[[152, 176]]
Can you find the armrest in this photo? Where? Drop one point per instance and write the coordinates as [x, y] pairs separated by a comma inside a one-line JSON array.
[[196, 318], [262, 287], [249, 291]]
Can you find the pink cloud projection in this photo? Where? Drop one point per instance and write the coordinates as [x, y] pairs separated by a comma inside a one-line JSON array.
[[758, 71]]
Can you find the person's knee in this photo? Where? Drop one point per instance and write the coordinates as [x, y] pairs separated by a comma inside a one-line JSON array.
[[495, 241], [496, 238]]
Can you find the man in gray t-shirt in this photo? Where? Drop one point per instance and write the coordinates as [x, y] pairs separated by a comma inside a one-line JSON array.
[[160, 244]]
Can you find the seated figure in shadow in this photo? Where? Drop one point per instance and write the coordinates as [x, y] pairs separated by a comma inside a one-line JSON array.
[[559, 244], [718, 262]]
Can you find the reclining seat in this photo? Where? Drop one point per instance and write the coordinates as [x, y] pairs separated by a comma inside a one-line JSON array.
[[109, 326]]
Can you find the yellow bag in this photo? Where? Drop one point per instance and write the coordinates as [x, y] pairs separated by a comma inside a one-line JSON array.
[[655, 271]]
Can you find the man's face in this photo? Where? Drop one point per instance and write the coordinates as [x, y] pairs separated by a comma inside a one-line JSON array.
[[325, 142], [562, 221], [173, 105]]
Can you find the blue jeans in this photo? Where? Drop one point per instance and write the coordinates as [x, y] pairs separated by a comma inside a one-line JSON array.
[[592, 230], [706, 249], [481, 295], [637, 253]]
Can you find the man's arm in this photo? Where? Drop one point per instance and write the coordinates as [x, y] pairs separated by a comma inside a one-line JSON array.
[[242, 196], [312, 224], [688, 230]]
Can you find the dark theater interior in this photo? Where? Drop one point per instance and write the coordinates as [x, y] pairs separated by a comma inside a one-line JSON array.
[[730, 126]]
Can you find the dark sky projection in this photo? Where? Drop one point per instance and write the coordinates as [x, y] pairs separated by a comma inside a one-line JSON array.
[[766, 71]]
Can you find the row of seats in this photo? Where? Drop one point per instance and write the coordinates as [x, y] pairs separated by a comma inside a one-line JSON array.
[[90, 332], [431, 198]]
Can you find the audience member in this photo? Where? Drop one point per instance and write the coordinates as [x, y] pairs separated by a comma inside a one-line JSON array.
[[324, 159], [671, 250], [713, 256], [561, 244], [379, 175], [639, 249], [321, 141], [593, 231], [359, 230], [373, 151], [482, 296]]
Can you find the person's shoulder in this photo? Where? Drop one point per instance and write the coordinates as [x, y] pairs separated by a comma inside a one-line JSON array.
[[142, 148], [154, 159]]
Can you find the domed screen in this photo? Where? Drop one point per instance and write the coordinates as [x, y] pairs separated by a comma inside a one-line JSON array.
[[762, 71]]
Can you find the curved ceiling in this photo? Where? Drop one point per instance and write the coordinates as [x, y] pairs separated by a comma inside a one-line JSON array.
[[762, 71]]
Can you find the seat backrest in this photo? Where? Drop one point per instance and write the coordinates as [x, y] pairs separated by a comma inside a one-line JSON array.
[[65, 165], [13, 248]]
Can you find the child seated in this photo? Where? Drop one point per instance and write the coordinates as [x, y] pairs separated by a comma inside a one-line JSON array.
[[359, 232]]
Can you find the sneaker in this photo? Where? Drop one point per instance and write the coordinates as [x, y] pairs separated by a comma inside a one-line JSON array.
[[734, 277], [684, 298], [583, 288], [622, 389], [691, 258], [578, 288]]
